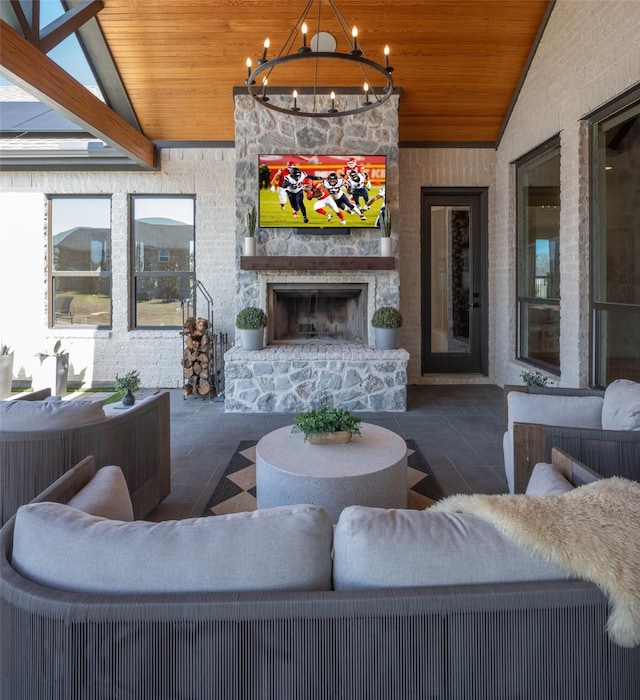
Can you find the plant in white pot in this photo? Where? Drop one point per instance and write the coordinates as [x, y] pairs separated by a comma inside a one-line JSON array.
[[6, 370], [52, 370], [386, 322], [251, 322], [126, 385], [251, 221], [385, 232]]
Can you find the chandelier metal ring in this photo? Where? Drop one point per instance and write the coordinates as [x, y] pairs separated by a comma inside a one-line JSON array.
[[254, 88]]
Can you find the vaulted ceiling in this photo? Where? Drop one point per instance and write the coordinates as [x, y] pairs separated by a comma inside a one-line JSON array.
[[458, 63]]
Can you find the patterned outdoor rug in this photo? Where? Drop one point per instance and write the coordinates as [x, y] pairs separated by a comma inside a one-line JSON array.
[[236, 490]]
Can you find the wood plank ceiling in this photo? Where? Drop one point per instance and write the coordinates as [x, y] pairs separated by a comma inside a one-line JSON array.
[[458, 63]]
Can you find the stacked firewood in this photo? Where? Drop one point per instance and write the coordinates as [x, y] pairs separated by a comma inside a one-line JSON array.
[[196, 357]]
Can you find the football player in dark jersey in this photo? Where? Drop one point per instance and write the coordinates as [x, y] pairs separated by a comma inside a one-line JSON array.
[[334, 185]]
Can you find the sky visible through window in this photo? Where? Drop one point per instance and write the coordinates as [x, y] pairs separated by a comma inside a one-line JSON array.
[[68, 54]]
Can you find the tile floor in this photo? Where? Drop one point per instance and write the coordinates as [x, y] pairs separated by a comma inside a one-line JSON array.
[[458, 429]]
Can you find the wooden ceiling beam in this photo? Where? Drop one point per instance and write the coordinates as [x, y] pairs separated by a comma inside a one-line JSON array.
[[25, 66], [58, 30]]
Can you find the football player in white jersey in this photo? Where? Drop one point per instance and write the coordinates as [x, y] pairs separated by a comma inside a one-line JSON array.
[[334, 185], [292, 182], [357, 186], [325, 199]]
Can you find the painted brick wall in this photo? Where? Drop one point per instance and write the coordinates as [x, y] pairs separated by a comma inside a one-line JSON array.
[[588, 55]]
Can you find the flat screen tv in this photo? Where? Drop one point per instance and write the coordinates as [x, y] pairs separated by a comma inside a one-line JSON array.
[[321, 193]]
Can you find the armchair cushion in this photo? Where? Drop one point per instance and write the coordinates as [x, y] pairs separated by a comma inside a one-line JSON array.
[[26, 416], [547, 480], [105, 495], [548, 409], [621, 406]]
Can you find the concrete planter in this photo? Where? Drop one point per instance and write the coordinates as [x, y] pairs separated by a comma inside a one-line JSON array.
[[6, 375], [385, 247], [252, 339], [386, 338], [52, 372]]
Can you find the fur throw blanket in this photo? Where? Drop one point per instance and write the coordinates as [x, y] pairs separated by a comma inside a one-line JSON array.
[[592, 533]]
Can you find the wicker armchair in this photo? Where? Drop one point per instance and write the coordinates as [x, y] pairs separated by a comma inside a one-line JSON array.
[[608, 452]]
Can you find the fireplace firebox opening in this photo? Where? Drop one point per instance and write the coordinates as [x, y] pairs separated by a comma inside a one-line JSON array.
[[317, 312]]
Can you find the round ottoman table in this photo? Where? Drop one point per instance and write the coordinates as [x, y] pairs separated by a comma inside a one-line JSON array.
[[371, 470]]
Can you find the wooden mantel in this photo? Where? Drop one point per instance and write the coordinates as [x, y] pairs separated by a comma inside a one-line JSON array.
[[320, 262]]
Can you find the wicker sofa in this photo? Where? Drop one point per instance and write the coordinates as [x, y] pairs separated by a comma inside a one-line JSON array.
[[137, 439], [529, 639]]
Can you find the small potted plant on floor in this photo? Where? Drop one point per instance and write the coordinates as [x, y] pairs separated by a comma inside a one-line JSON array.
[[326, 425], [386, 322], [126, 385], [250, 220], [52, 372], [251, 322], [6, 370]]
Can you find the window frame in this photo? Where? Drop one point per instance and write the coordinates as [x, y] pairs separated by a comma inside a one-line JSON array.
[[134, 275], [615, 107], [53, 274], [552, 144]]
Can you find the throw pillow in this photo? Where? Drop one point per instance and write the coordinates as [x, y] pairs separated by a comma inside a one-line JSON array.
[[105, 495], [387, 548], [278, 549], [27, 416], [621, 407], [546, 479]]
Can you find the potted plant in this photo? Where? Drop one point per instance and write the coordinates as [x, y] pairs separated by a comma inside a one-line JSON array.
[[127, 385], [531, 378], [250, 220], [251, 322], [385, 232], [326, 425], [52, 371], [6, 370], [386, 322]]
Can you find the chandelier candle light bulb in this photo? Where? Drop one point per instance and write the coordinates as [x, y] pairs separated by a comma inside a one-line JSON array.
[[354, 34], [366, 93], [295, 107], [249, 64], [386, 56], [333, 102], [304, 30], [267, 44]]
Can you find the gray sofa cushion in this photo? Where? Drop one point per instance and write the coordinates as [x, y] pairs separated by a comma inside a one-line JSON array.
[[279, 549], [621, 406], [25, 416], [547, 480], [105, 495], [380, 548], [549, 409]]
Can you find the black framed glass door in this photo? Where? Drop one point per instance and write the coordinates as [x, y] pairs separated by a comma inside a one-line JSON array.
[[454, 271]]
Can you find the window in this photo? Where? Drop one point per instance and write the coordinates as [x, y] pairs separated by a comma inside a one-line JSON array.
[[162, 257], [538, 256], [615, 242], [80, 261]]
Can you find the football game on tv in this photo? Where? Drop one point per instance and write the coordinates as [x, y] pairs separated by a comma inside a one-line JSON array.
[[331, 193]]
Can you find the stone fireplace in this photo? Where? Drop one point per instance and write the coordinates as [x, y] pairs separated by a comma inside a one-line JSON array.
[[319, 292], [329, 312]]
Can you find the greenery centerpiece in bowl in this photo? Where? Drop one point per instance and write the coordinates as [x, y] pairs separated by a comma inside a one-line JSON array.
[[326, 425], [251, 322], [126, 385], [386, 322]]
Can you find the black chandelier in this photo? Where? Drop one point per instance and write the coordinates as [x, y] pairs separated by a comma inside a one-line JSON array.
[[318, 53]]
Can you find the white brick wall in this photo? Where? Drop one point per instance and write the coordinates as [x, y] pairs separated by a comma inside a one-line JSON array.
[[96, 356], [588, 55]]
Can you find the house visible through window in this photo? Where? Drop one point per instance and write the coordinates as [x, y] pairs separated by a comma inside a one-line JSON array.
[[163, 241], [615, 245], [538, 256], [80, 261]]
